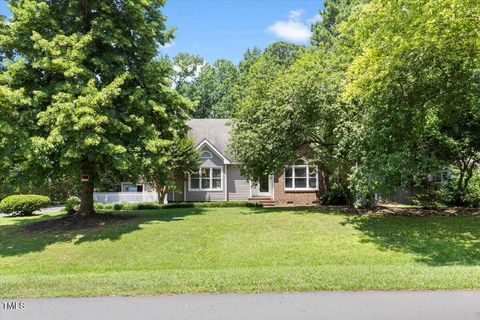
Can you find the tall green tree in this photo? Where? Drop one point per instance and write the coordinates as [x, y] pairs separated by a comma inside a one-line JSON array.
[[325, 31], [249, 58], [262, 134], [83, 91], [217, 87], [185, 70], [165, 169], [291, 102], [414, 80], [213, 90]]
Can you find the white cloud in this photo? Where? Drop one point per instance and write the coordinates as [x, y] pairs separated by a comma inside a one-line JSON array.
[[295, 14], [316, 18], [294, 29], [168, 45]]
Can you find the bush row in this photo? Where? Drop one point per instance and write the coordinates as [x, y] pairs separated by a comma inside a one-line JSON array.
[[174, 205], [212, 204], [128, 206]]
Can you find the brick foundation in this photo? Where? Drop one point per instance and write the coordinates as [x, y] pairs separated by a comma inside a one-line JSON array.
[[293, 198]]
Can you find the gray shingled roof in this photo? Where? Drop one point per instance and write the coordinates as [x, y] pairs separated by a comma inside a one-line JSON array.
[[216, 131]]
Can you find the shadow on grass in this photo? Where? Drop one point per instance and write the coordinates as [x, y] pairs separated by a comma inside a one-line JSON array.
[[16, 239], [341, 210], [436, 241]]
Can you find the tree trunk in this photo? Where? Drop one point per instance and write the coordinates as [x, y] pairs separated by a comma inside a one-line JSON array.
[[159, 196], [349, 197], [459, 192], [371, 203], [161, 192], [164, 198], [86, 198], [468, 177], [466, 174]]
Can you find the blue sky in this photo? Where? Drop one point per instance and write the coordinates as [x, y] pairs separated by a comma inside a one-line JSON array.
[[226, 28]]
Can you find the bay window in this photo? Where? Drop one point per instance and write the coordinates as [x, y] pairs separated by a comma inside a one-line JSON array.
[[206, 179], [301, 177]]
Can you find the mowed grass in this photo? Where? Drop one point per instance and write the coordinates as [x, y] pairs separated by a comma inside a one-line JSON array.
[[239, 250]]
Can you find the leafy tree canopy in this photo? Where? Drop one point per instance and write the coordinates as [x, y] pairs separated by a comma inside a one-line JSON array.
[[166, 171], [262, 114], [415, 79], [213, 89], [185, 70], [334, 13], [82, 91]]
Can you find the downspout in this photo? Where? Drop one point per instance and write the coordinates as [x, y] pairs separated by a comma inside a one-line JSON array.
[[226, 182], [273, 187], [184, 190]]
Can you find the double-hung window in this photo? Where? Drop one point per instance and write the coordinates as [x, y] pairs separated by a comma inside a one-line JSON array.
[[206, 179], [301, 177], [440, 177]]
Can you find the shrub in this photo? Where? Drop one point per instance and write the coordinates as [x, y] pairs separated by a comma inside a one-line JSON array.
[[447, 194], [173, 205], [472, 198], [118, 206], [177, 205], [100, 206], [213, 204], [147, 206], [24, 204], [127, 206], [429, 199], [71, 204], [334, 196]]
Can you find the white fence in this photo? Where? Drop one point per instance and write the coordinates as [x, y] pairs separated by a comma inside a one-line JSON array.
[[131, 197]]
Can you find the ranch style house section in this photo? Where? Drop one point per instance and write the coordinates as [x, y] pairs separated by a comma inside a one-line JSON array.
[[219, 177]]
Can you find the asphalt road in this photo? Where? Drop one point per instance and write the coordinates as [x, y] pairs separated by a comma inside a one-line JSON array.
[[437, 305]]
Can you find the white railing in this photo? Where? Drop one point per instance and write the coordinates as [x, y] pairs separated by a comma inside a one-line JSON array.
[[131, 197]]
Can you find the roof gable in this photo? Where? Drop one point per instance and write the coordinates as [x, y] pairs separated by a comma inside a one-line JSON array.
[[205, 142], [215, 131]]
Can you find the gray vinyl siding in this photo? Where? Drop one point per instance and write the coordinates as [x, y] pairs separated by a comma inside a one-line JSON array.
[[205, 196], [177, 195], [238, 186], [199, 195], [214, 162]]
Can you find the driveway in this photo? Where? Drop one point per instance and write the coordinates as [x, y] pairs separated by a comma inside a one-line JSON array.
[[436, 305], [49, 209]]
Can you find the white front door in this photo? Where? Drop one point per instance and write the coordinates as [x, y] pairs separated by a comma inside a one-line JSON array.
[[262, 188]]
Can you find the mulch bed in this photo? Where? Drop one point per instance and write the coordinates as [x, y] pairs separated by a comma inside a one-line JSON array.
[[74, 222], [420, 212], [403, 211]]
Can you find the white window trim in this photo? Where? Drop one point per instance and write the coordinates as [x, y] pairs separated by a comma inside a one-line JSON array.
[[212, 148], [210, 156], [130, 184], [211, 178], [442, 180], [307, 177]]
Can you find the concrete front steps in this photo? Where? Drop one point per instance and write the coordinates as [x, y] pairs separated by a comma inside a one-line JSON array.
[[265, 201]]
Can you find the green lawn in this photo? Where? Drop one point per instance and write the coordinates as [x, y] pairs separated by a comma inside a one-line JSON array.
[[240, 250]]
